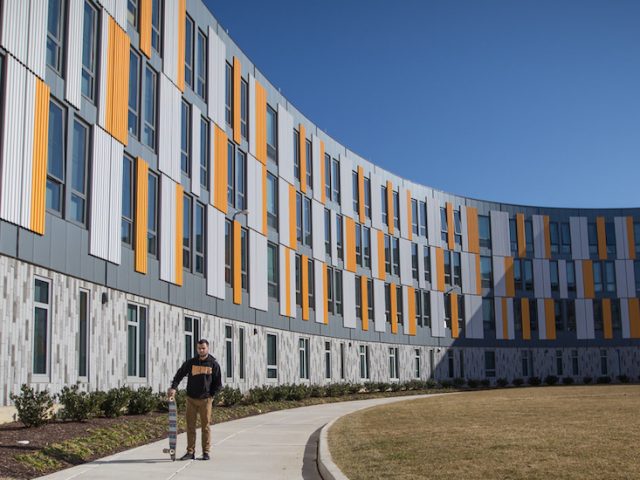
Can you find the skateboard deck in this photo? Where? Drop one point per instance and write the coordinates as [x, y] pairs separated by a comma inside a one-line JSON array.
[[173, 428]]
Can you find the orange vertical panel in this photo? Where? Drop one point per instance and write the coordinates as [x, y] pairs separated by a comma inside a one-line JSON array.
[[453, 308], [287, 280], [393, 310], [110, 74], [602, 238], [179, 228], [522, 242], [478, 276], [587, 277], [450, 227], [264, 200], [304, 291], [237, 73], [40, 157], [550, 318], [440, 269], [526, 321], [631, 240], [302, 156], [325, 279], [634, 317], [409, 217], [350, 247], [142, 200], [261, 124], [361, 193], [411, 300], [145, 27], [509, 277], [182, 29], [365, 303], [220, 168], [323, 177], [382, 274], [293, 237], [547, 237], [472, 230], [505, 319], [606, 317], [390, 212], [237, 264], [122, 114]]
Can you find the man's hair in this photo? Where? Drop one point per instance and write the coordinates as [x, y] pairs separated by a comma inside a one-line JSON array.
[[203, 341]]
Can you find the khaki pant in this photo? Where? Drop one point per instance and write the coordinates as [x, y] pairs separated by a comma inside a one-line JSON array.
[[195, 407]]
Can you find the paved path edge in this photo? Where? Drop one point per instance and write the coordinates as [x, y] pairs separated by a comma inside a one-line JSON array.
[[328, 470]]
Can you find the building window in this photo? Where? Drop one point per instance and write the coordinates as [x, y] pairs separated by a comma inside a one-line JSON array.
[[272, 134], [327, 232], [598, 323], [513, 235], [488, 320], [191, 336], [553, 274], [132, 13], [533, 314], [272, 272], [571, 315], [592, 235], [298, 270], [415, 221], [188, 53], [354, 190], [426, 309], [89, 51], [451, 362], [559, 319], [244, 109], [460, 319], [335, 182], [575, 370], [457, 272], [134, 93], [358, 297], [490, 364], [185, 139], [79, 162], [272, 355], [484, 231], [486, 274], [395, 246], [310, 284], [228, 93], [447, 268], [571, 277], [399, 305], [272, 201], [228, 351], [370, 300], [155, 25], [55, 162], [327, 176], [636, 236], [41, 327], [152, 215], [457, 225], [136, 341], [427, 264], [559, 363], [364, 361], [393, 363], [327, 360], [414, 261], [83, 333], [384, 206], [610, 234], [306, 222], [342, 359], [330, 300], [309, 151], [339, 237], [554, 234], [636, 270], [150, 115], [201, 228], [227, 252], [565, 238], [303, 355], [444, 226], [604, 362], [524, 359], [186, 232], [367, 197], [396, 210], [528, 236], [422, 209], [201, 65], [387, 302], [127, 200], [338, 291], [296, 155], [244, 258], [241, 352], [236, 177], [55, 34], [204, 153]]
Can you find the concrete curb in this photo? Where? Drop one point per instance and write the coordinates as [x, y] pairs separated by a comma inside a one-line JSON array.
[[328, 470]]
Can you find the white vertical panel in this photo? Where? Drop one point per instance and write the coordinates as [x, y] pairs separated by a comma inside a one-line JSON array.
[[631, 280], [434, 267], [285, 144], [374, 252], [170, 41], [292, 289], [405, 312], [217, 74], [422, 283], [317, 215], [584, 235], [74, 58], [624, 317], [26, 177], [538, 236], [120, 13], [621, 279], [433, 222], [321, 305], [316, 165], [76, 73], [404, 217], [622, 247], [195, 150], [562, 278], [510, 326], [464, 221], [346, 187], [284, 210], [499, 283], [584, 319], [100, 186], [546, 279], [170, 115], [334, 238], [115, 201], [497, 302], [538, 278], [579, 238], [212, 162], [252, 116], [254, 194], [500, 233], [215, 253], [379, 305], [167, 229], [542, 325], [15, 28], [283, 252], [437, 314], [405, 262], [376, 204], [474, 321], [465, 268], [588, 321], [13, 141], [349, 299], [257, 271], [579, 279], [38, 37]]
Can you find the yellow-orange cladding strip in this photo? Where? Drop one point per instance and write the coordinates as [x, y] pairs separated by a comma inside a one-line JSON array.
[[509, 277], [361, 193], [522, 243], [302, 156], [111, 38], [390, 212], [287, 277], [293, 238], [634, 317], [220, 169], [450, 226], [550, 318], [237, 264], [453, 308], [350, 246], [261, 124], [505, 319], [526, 321], [40, 156], [602, 238], [123, 76], [325, 279], [264, 200], [440, 269], [606, 318], [304, 291], [382, 274], [237, 73], [547, 237], [587, 277], [323, 177], [182, 28], [472, 230], [365, 303], [393, 310], [631, 238], [142, 199], [178, 232], [145, 27], [478, 276], [409, 216], [411, 300]]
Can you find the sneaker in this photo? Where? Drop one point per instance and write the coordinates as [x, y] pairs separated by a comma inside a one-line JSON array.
[[205, 456], [188, 456]]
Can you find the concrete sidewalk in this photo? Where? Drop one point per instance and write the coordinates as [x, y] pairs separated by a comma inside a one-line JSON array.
[[276, 445]]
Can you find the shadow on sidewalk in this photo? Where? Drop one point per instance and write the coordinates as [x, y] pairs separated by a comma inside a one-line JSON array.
[[310, 460]]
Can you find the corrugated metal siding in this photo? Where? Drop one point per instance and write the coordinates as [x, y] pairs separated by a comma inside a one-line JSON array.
[[26, 178], [622, 247], [500, 233], [215, 253], [285, 144], [317, 215], [562, 278], [316, 163], [437, 314], [15, 28], [217, 65], [115, 202], [253, 130], [621, 279], [170, 41], [379, 305], [257, 271], [346, 190], [102, 72], [74, 58], [538, 236], [195, 150], [169, 124], [283, 212], [318, 279], [349, 299], [334, 238], [498, 276], [406, 277], [100, 189], [542, 324], [38, 37], [376, 207], [168, 229]]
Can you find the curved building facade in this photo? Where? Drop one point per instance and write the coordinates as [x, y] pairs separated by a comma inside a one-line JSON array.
[[155, 188]]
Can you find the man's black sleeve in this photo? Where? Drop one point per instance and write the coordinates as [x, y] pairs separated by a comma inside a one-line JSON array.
[[216, 383], [180, 374]]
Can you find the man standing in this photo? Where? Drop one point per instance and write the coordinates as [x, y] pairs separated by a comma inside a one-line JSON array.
[[203, 382]]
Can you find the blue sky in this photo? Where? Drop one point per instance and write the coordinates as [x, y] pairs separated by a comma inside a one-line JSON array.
[[527, 102]]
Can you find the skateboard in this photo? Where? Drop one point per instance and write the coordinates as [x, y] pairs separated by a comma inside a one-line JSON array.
[[173, 428]]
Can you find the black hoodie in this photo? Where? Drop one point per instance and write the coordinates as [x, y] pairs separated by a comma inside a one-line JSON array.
[[204, 378]]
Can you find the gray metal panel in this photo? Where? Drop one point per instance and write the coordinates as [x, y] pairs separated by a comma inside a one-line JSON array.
[[546, 279], [25, 179], [38, 37], [285, 144], [215, 253], [622, 247], [542, 325], [379, 305], [170, 41], [15, 28], [334, 238], [437, 314], [115, 202], [500, 233], [317, 216], [321, 305], [169, 123], [349, 299], [252, 116], [195, 150], [405, 316], [589, 326], [100, 189], [376, 204], [579, 279], [576, 241], [499, 282], [474, 321], [167, 229], [405, 262], [374, 253], [318, 187], [283, 251], [74, 55], [510, 326], [562, 278], [254, 193], [346, 190], [422, 283], [283, 212], [538, 236], [497, 302], [76, 74], [402, 201], [468, 267], [624, 317], [217, 75], [257, 270], [538, 278], [433, 223], [621, 279], [631, 281]]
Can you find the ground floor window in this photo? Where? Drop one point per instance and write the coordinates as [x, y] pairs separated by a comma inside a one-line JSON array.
[[364, 361], [327, 359], [303, 350], [272, 355], [393, 363], [83, 333], [490, 364], [228, 351], [191, 336], [574, 362], [416, 363], [136, 340], [604, 362], [342, 361], [241, 352], [41, 320], [559, 365], [451, 363]]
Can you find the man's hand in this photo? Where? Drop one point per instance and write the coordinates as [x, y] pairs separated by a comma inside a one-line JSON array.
[[171, 392]]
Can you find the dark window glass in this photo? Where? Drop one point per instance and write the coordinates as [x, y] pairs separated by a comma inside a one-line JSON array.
[[200, 225], [55, 34], [188, 53], [134, 94], [204, 153], [127, 200], [83, 333], [272, 201], [55, 160], [186, 232], [272, 134], [228, 96], [155, 25], [244, 109], [77, 207], [150, 116], [272, 270], [201, 65], [244, 258], [152, 215], [185, 139], [89, 51]]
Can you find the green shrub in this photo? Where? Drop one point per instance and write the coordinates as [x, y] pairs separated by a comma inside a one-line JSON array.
[[587, 380], [551, 380], [604, 379], [534, 381], [383, 386], [161, 402], [445, 384], [416, 385], [77, 405], [623, 379], [260, 394], [567, 380], [396, 386], [228, 396], [317, 391], [354, 388], [337, 389], [431, 383], [142, 401], [34, 409], [517, 382], [485, 382], [502, 382], [472, 383], [115, 401], [458, 382]]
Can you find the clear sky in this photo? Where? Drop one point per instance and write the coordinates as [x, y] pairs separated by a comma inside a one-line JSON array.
[[527, 102]]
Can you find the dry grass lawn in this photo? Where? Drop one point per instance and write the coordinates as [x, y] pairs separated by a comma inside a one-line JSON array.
[[576, 432]]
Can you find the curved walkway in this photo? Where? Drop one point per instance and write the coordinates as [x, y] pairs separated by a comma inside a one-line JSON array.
[[276, 445]]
